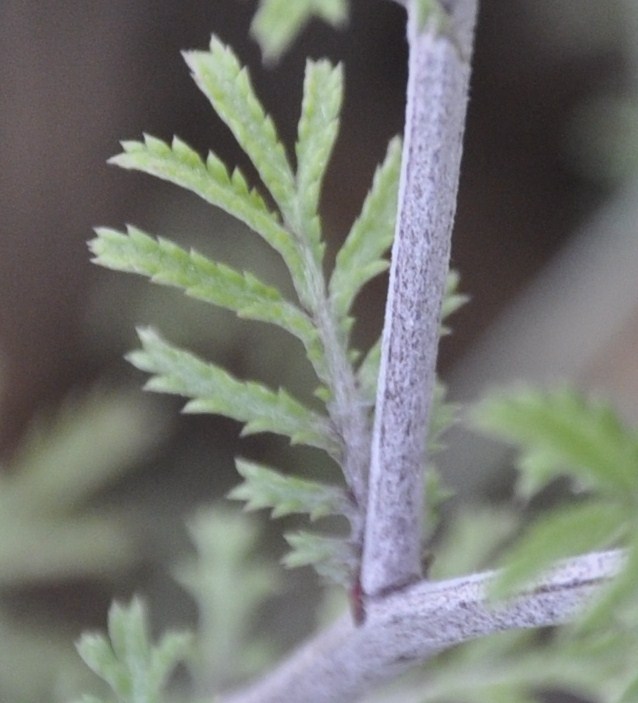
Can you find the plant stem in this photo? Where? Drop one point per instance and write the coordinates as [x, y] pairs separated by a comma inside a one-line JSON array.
[[438, 77], [409, 623], [412, 626], [346, 409]]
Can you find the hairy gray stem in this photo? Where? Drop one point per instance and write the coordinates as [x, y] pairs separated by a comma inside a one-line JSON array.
[[413, 625], [438, 74], [409, 624]]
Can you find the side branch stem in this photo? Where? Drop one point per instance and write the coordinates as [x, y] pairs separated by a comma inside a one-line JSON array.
[[413, 625], [438, 76]]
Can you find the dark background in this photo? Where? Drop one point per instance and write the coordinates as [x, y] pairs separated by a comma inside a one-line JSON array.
[[75, 78]]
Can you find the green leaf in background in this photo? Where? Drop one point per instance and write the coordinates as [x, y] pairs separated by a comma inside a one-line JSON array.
[[511, 667], [278, 22], [214, 390], [66, 456], [317, 132], [169, 264], [559, 432], [264, 487], [227, 564], [557, 534], [181, 165], [361, 256], [630, 694], [522, 665], [452, 299], [331, 557], [37, 658], [135, 668], [470, 541], [368, 373], [63, 460], [618, 600], [227, 86], [443, 417], [434, 12]]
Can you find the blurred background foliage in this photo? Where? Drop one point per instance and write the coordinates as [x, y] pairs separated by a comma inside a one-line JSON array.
[[97, 480]]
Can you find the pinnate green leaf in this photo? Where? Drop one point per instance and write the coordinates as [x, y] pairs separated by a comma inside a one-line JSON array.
[[360, 257], [332, 557], [214, 390], [560, 533], [317, 132], [135, 668], [229, 582], [560, 432], [278, 22], [168, 264], [180, 164], [228, 87], [264, 487]]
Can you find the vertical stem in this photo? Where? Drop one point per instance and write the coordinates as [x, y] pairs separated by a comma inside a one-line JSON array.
[[440, 35]]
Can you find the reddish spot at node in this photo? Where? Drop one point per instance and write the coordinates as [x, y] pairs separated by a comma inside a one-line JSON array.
[[357, 605]]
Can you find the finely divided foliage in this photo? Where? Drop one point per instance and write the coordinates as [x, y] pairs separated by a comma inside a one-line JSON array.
[[168, 264], [318, 129], [559, 434], [320, 319], [264, 487], [136, 669], [227, 86], [213, 390], [226, 646], [278, 21], [362, 255]]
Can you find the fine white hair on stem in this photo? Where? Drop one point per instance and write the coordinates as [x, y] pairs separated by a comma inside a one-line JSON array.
[[413, 625], [409, 623], [438, 77]]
